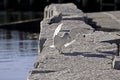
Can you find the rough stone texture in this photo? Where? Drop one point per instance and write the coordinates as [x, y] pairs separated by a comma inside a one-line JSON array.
[[86, 59], [64, 9], [107, 21]]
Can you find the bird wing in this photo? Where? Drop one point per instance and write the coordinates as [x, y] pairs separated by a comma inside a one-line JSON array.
[[57, 42], [57, 30], [67, 44], [73, 33], [52, 46]]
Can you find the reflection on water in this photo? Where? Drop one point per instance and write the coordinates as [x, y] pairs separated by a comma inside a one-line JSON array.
[[17, 54]]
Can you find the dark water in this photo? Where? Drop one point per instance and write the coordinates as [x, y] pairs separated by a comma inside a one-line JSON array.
[[17, 54]]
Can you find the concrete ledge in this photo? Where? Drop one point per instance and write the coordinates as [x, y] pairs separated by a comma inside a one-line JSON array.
[[105, 21], [80, 61]]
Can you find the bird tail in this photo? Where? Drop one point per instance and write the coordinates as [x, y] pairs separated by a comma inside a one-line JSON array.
[[57, 30]]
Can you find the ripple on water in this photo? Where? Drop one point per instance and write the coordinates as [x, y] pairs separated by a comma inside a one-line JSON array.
[[17, 55]]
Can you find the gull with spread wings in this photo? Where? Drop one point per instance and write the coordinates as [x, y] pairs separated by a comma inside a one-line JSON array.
[[66, 39]]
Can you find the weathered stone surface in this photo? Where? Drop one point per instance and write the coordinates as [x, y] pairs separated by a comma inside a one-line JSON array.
[[66, 9], [86, 59], [107, 21]]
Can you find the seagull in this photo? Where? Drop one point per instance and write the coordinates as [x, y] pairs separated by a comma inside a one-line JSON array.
[[65, 40]]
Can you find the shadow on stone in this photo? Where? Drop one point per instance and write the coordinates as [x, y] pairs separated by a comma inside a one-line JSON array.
[[92, 23], [74, 54], [95, 55], [42, 41], [97, 27], [42, 71], [74, 18], [107, 53], [117, 65], [85, 54], [108, 29], [64, 30]]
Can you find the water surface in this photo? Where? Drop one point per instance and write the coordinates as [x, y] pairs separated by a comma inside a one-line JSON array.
[[17, 54]]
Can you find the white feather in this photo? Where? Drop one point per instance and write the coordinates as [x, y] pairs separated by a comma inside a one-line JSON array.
[[52, 46], [57, 30], [67, 44]]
